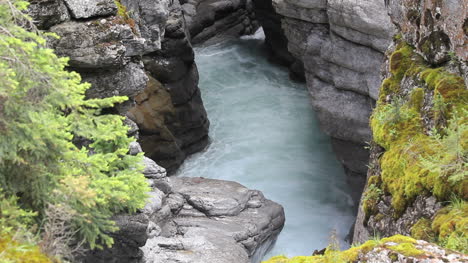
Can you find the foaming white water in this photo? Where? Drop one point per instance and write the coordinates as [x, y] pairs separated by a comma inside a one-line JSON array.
[[259, 34], [265, 136]]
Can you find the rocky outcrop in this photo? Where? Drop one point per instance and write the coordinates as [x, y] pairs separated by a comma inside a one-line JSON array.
[[216, 19], [170, 111], [341, 46], [409, 191], [206, 220], [139, 49], [193, 220]]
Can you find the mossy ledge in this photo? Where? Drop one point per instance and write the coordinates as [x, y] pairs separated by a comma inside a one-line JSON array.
[[421, 122], [397, 246]]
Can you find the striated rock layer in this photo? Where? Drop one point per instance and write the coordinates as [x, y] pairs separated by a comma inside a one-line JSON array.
[[341, 46], [170, 112]]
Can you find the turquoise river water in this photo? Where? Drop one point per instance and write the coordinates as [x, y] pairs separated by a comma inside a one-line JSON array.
[[264, 135]]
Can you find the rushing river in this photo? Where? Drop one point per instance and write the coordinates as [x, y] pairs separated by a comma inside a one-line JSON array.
[[265, 136]]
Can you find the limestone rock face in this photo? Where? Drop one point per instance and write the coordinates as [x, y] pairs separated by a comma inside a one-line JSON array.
[[216, 19], [275, 38], [144, 54], [204, 220], [341, 45], [170, 110], [435, 28]]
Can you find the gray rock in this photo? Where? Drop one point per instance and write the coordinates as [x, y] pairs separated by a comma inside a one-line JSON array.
[[170, 111], [132, 234], [152, 170], [133, 129], [151, 20], [134, 148], [309, 11], [275, 38], [215, 20], [366, 23], [47, 13], [343, 114], [97, 44], [91, 8], [127, 81], [205, 220], [430, 253]]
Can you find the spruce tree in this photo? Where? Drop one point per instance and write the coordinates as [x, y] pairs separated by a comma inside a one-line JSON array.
[[43, 116]]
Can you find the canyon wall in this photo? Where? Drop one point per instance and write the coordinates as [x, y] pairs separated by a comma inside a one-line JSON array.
[[340, 45], [138, 49], [143, 50], [214, 20]]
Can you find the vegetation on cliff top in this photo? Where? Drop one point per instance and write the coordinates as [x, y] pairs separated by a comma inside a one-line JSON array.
[[64, 165]]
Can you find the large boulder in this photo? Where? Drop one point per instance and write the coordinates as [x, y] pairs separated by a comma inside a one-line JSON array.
[[205, 220]]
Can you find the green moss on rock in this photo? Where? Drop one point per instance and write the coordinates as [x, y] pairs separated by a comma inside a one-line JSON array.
[[399, 244], [423, 230], [420, 159], [451, 226]]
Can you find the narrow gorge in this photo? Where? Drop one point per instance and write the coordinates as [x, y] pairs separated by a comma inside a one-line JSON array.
[[277, 131]]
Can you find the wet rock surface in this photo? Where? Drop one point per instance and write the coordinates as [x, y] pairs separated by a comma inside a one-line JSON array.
[[193, 220]]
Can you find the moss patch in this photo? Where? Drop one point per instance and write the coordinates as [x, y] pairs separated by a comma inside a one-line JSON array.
[[124, 15], [399, 244], [13, 251], [423, 230], [451, 226], [409, 165], [421, 122]]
